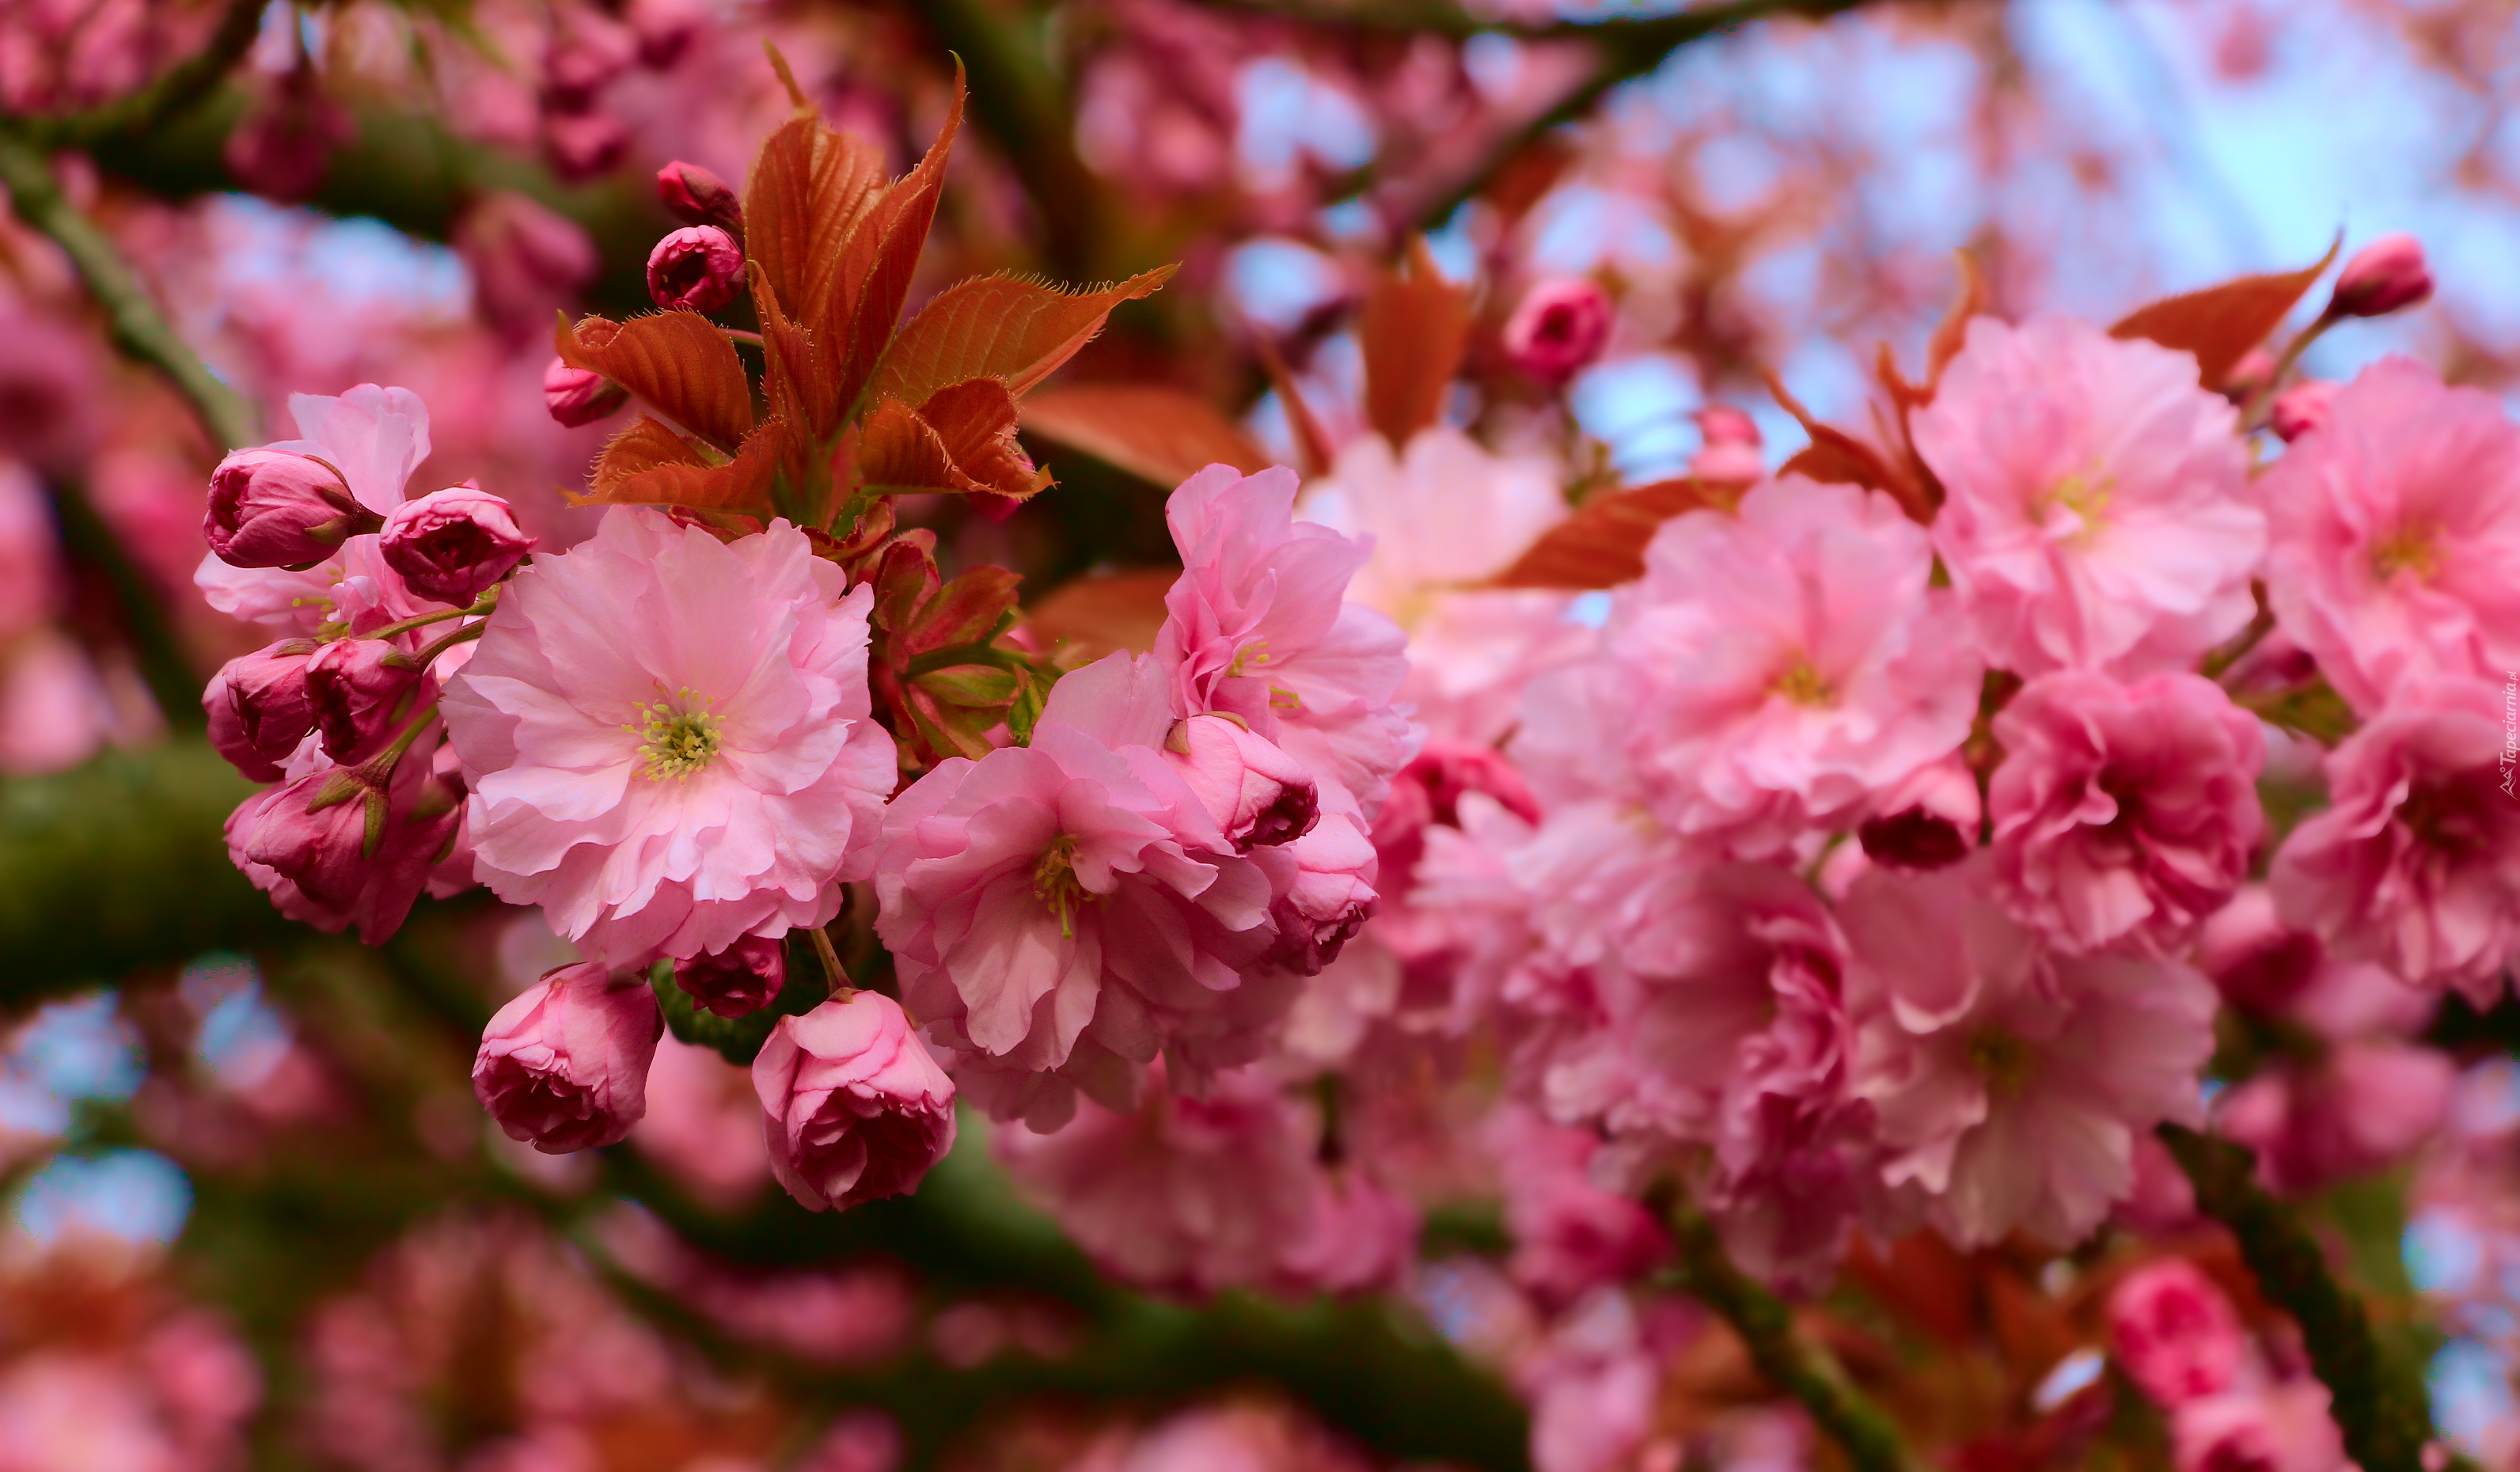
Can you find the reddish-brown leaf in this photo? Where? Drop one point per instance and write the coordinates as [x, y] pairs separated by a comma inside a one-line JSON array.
[[898, 451], [2220, 324], [681, 364], [797, 378], [1414, 330], [975, 420], [811, 186], [1093, 616], [1312, 446], [876, 264], [999, 327], [963, 610], [1604, 544], [638, 469], [1839, 457], [1943, 346], [1153, 431]]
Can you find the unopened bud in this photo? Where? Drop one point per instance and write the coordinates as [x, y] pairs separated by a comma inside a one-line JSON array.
[[258, 708], [359, 691], [450, 545], [695, 197], [575, 396], [742, 979], [1561, 325], [2388, 274], [698, 267], [2300, 409], [274, 508]]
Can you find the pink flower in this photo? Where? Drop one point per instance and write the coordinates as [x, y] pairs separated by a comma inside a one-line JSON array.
[[1429, 791], [698, 268], [2396, 535], [525, 259], [1181, 1195], [575, 396], [1076, 879], [1324, 891], [2174, 1333], [1359, 1237], [271, 509], [259, 710], [1561, 326], [564, 1063], [670, 739], [365, 442], [2124, 813], [1256, 627], [1777, 667], [304, 842], [1570, 1237], [2010, 1083], [738, 981], [1258, 794], [2282, 1428], [2416, 862], [2302, 408], [450, 545], [2361, 1108], [857, 1110], [693, 196], [361, 693], [704, 1125], [284, 144], [2383, 276], [2097, 513], [1927, 821]]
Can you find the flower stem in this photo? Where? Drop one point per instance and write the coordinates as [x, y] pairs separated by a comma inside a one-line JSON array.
[[137, 325], [830, 959], [1765, 1323], [2383, 1410]]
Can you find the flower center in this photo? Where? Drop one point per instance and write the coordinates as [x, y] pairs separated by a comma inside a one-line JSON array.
[[1803, 686], [1252, 655], [1055, 883], [2411, 549], [2084, 493], [2001, 1059], [674, 739]]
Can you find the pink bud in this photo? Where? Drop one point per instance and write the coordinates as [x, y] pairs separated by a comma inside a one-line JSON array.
[[1330, 897], [582, 144], [450, 545], [587, 50], [2383, 276], [272, 508], [1257, 793], [2248, 376], [2301, 408], [564, 1064], [318, 848], [740, 979], [2174, 1332], [258, 708], [857, 1109], [577, 397], [695, 197], [360, 690], [700, 267], [525, 259], [1724, 424], [1927, 820], [282, 147], [1561, 325], [665, 29], [333, 852], [1729, 464]]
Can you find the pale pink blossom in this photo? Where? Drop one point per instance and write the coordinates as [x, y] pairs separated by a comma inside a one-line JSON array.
[[1777, 667], [1570, 1236], [1257, 627], [670, 739], [564, 1063], [2010, 1083], [1324, 888], [2175, 1333], [2416, 862], [1257, 793], [1360, 1236], [855, 1108], [2394, 548], [2097, 513], [2123, 814], [2280, 1428]]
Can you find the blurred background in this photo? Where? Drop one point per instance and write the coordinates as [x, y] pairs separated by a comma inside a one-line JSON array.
[[254, 1216]]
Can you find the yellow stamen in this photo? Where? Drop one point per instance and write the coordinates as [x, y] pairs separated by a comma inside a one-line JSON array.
[[674, 739]]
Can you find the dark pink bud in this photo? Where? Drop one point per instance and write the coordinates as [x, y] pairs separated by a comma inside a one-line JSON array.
[[2300, 409], [857, 1108], [577, 397], [582, 144], [2388, 274], [2175, 1333], [1429, 791], [335, 852], [742, 979], [665, 29], [258, 708], [700, 267], [525, 259], [1257, 793], [285, 141], [312, 832], [1563, 324], [564, 1064], [360, 690], [587, 50], [1330, 897], [449, 545], [695, 197], [272, 508]]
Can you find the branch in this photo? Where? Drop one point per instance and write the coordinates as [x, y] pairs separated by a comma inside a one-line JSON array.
[[176, 92], [170, 678], [132, 319], [1446, 18], [2383, 1411], [1766, 1325]]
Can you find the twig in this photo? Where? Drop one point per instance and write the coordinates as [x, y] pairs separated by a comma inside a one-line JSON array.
[[2383, 1411], [1766, 1325], [178, 90], [134, 321]]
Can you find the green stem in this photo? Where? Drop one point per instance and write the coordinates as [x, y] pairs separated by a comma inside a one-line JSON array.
[[177, 91], [2383, 1410], [1766, 1325], [2253, 414], [172, 680], [136, 325]]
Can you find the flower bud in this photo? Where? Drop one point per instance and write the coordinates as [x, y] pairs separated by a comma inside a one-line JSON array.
[[1330, 896], [2300, 409], [1729, 454], [695, 197], [583, 144], [258, 708], [308, 833], [284, 143], [525, 259], [359, 691], [1561, 325], [577, 397], [1927, 820], [742, 979], [2174, 1332], [274, 508], [2388, 274], [857, 1109], [449, 545], [564, 1064], [1257, 793], [700, 267]]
